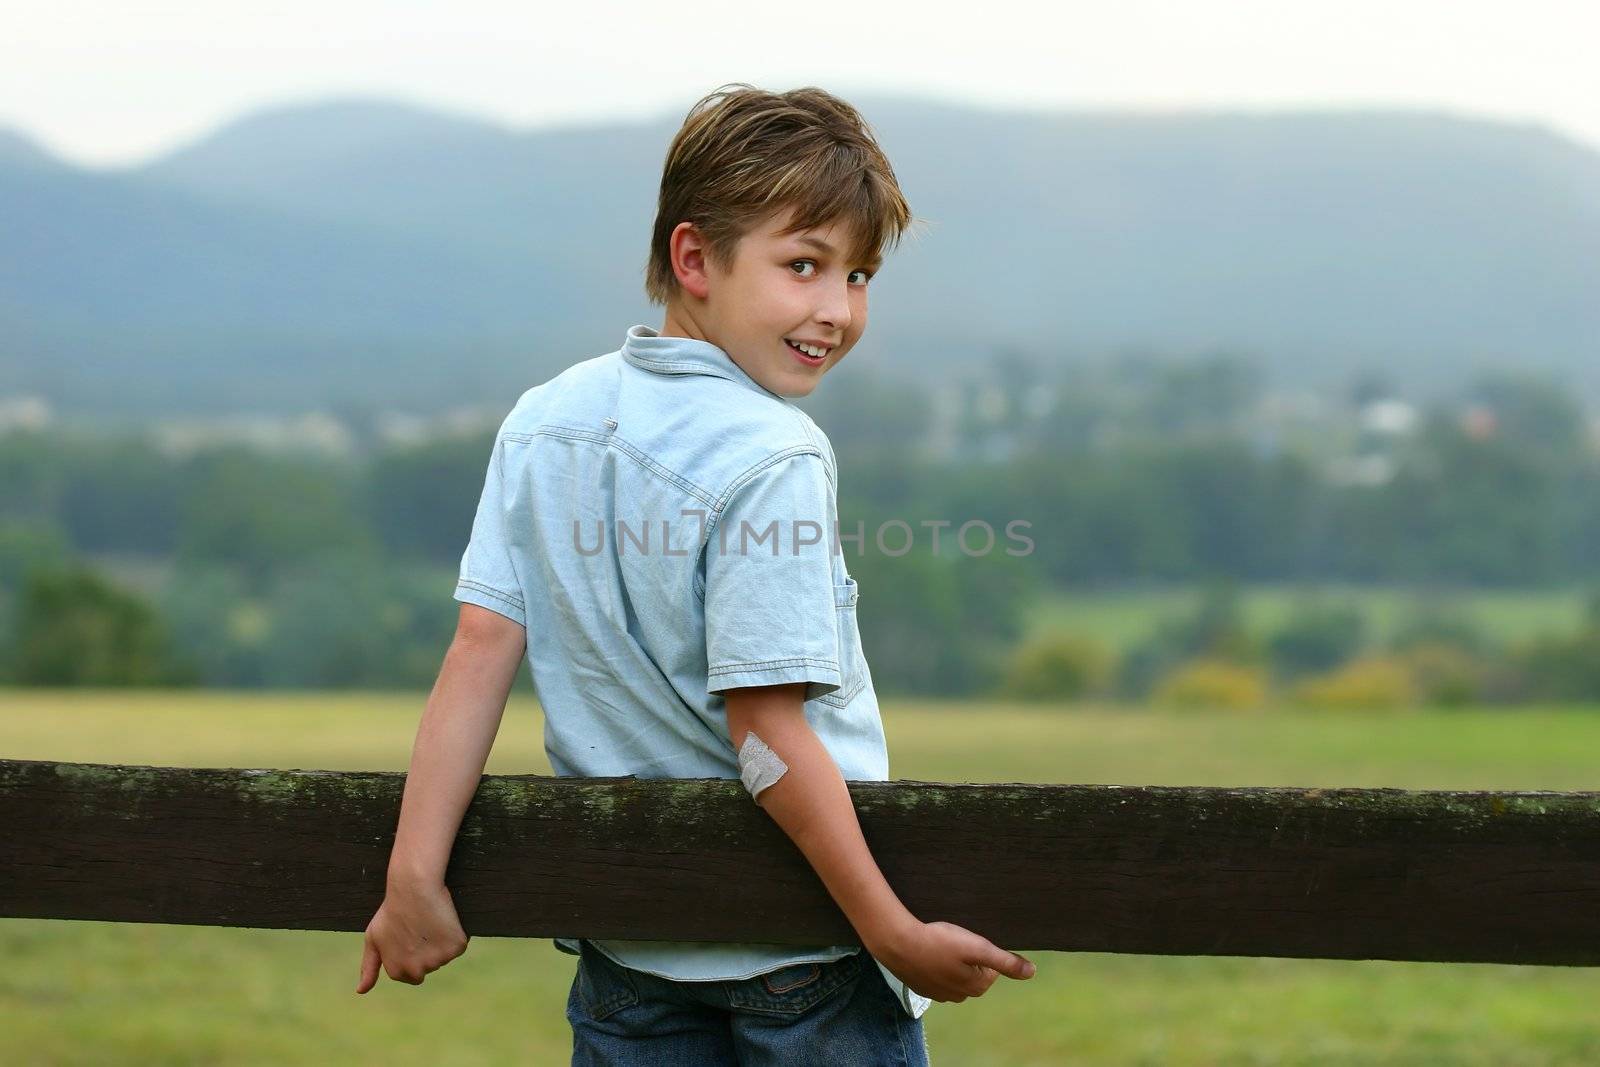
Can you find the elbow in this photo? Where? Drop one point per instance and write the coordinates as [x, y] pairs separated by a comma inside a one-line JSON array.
[[774, 710], [759, 766]]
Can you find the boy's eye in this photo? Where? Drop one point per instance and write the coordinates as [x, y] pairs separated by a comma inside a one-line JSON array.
[[866, 274]]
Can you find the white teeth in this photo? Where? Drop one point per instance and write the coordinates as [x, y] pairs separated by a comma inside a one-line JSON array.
[[810, 350]]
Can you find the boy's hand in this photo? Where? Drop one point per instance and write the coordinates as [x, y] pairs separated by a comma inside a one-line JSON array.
[[946, 962], [415, 932]]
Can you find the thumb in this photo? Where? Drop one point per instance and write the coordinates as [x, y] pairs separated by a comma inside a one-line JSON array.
[[1019, 966], [369, 966], [1008, 963]]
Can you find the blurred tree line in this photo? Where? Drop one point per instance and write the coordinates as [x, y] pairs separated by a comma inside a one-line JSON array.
[[1168, 472], [282, 570], [1322, 655]]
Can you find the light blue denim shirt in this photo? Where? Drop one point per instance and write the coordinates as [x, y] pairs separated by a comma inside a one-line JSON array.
[[666, 529]]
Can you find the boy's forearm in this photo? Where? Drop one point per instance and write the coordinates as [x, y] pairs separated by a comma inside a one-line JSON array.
[[455, 735], [812, 804]]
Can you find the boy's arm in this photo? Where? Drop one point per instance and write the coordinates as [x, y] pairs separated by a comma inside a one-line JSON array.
[[812, 804], [764, 609], [457, 731], [416, 929]]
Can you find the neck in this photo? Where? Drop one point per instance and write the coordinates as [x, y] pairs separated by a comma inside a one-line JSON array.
[[681, 321]]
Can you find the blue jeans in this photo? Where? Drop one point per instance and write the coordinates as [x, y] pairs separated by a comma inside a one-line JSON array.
[[807, 1013]]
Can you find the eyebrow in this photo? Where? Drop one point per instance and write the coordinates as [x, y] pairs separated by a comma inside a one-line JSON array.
[[819, 243]]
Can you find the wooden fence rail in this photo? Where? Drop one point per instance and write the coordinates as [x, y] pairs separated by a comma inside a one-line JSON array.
[[1508, 877]]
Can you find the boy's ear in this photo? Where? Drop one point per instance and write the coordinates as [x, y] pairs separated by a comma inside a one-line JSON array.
[[688, 250]]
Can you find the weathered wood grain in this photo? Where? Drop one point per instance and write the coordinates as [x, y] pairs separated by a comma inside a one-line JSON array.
[[1510, 877]]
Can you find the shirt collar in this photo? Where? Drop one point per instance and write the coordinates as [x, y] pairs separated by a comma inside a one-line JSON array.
[[651, 351]]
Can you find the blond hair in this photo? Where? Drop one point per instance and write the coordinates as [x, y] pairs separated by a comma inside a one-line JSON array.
[[744, 153]]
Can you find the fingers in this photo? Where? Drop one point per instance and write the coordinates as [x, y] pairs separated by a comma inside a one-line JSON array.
[[369, 966], [413, 968], [1007, 963], [985, 977], [992, 962], [414, 959], [410, 970], [402, 974]]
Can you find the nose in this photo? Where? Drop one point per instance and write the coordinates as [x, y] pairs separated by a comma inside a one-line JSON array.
[[835, 310]]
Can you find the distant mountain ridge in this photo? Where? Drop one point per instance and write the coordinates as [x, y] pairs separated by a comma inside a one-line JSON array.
[[373, 253]]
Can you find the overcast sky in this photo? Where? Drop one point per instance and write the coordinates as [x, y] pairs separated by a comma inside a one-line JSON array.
[[109, 83]]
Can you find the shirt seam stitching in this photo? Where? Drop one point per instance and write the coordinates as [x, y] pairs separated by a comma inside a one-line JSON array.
[[717, 506], [739, 482], [812, 432], [703, 368], [489, 590], [754, 666], [735, 374], [626, 448], [843, 696]]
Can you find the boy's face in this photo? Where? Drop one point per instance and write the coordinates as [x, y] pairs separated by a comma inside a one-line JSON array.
[[777, 290]]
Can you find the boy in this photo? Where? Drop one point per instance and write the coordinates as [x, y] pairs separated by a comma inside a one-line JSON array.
[[697, 655]]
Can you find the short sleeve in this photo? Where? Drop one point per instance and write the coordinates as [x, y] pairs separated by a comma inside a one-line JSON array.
[[769, 597], [487, 577]]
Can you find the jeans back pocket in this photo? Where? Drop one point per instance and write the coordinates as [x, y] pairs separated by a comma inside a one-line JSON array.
[[796, 988], [604, 986]]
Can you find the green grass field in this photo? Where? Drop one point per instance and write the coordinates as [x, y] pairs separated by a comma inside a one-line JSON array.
[[78, 992], [1120, 618]]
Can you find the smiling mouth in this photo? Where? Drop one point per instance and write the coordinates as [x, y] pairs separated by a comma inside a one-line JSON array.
[[814, 361]]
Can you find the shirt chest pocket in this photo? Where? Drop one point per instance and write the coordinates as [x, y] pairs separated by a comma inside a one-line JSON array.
[[852, 664]]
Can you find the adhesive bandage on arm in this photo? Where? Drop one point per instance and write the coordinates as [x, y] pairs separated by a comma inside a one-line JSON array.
[[759, 766]]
